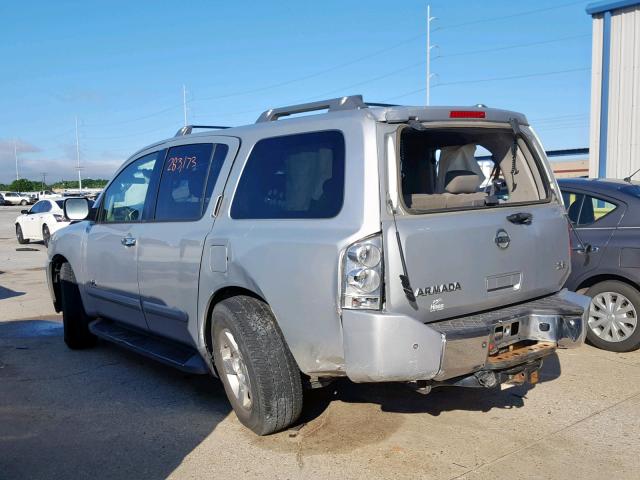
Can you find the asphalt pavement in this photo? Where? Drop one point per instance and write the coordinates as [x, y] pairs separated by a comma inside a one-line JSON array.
[[106, 413]]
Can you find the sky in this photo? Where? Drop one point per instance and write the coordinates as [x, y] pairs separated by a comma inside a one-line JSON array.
[[119, 67]]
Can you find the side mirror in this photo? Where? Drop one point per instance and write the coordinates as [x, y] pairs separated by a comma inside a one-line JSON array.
[[76, 208], [24, 212]]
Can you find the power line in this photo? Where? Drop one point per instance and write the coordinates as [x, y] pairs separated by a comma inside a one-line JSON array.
[[481, 80], [506, 17], [510, 47]]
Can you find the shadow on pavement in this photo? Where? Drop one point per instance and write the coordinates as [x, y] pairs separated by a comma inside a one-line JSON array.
[[398, 397], [99, 413], [8, 293]]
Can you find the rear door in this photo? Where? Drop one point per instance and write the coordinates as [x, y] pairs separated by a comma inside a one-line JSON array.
[[471, 240], [595, 218], [171, 245]]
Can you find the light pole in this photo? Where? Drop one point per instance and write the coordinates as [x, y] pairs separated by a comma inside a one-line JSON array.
[[429, 47], [78, 157]]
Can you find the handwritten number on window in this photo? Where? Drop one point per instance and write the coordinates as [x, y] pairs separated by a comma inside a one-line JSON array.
[[182, 164]]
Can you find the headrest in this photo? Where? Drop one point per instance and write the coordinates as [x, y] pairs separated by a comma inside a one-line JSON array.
[[461, 181]]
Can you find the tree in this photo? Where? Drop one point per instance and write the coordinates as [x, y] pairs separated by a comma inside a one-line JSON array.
[[24, 185]]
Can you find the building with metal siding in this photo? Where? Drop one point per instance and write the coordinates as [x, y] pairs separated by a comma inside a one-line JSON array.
[[614, 146]]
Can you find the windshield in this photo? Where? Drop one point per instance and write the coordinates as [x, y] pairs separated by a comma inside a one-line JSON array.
[[467, 167]]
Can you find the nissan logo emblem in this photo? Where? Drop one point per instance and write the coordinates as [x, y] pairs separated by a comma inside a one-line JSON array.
[[502, 239]]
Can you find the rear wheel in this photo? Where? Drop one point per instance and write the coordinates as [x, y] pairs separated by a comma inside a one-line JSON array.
[[74, 318], [46, 235], [20, 236], [613, 316], [259, 374]]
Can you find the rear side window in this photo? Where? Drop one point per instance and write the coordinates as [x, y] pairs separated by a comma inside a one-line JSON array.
[[584, 210], [183, 186], [293, 176]]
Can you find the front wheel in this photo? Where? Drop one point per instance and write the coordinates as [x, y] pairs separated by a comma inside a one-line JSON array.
[[74, 319], [20, 236], [23, 203], [613, 316], [46, 235], [259, 374]]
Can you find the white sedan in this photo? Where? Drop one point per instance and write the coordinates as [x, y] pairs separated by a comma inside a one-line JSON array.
[[40, 221]]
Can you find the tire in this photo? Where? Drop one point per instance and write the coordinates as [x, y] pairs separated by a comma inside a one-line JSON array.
[[262, 358], [74, 319], [23, 202], [625, 300], [20, 236], [46, 235]]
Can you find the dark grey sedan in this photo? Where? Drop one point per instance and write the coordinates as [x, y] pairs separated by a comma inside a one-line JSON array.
[[606, 257]]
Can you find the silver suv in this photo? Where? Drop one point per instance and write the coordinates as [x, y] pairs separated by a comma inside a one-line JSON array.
[[375, 242]]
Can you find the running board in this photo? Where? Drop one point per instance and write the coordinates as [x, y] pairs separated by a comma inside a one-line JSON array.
[[163, 350]]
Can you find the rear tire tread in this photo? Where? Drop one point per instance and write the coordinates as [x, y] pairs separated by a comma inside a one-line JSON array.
[[275, 378]]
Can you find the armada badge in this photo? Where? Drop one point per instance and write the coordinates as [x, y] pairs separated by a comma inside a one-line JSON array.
[[438, 289]]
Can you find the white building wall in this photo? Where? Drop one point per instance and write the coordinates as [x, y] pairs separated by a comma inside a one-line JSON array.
[[623, 136]]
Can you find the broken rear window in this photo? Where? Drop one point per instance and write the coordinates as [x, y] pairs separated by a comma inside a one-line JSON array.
[[467, 167]]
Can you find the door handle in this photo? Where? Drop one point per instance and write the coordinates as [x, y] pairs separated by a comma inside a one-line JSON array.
[[128, 241], [521, 218], [586, 249]]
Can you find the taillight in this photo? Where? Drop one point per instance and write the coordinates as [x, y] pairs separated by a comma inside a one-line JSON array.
[[467, 114], [59, 218], [362, 275]]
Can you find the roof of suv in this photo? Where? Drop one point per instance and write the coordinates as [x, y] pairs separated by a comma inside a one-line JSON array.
[[354, 106]]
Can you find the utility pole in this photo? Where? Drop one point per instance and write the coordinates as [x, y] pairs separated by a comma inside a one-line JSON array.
[[429, 47], [44, 180], [184, 103], [78, 157], [15, 154]]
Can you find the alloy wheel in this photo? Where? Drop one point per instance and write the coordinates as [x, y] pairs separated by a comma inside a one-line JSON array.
[[235, 369]]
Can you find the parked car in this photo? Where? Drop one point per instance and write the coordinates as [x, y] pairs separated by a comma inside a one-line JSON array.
[[40, 221], [44, 194], [1, 199], [16, 198], [356, 243], [606, 257]]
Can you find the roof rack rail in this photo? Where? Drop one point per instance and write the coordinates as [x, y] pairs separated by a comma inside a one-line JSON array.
[[187, 129], [353, 102], [376, 104]]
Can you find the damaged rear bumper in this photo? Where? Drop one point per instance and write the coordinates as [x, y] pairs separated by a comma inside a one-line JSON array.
[[382, 347]]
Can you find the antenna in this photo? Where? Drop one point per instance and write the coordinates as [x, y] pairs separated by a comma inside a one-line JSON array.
[[429, 47], [628, 179], [78, 157]]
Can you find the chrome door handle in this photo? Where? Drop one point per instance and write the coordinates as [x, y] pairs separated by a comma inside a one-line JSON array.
[[128, 241]]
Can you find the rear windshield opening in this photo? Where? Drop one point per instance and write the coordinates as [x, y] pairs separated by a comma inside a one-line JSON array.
[[459, 167]]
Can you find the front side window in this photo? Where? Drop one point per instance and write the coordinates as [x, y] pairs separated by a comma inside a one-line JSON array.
[[466, 167], [124, 200], [183, 193], [293, 176]]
